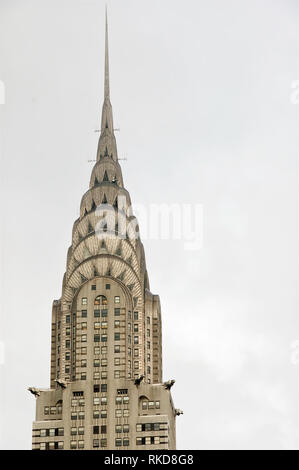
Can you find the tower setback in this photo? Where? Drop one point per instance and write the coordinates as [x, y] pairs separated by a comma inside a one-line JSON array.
[[106, 390]]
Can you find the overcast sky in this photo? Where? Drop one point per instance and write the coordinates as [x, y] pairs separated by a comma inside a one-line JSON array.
[[201, 91]]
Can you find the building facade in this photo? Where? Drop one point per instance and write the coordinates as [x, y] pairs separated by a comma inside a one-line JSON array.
[[106, 390]]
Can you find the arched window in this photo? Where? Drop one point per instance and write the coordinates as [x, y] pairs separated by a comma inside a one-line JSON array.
[[100, 300]]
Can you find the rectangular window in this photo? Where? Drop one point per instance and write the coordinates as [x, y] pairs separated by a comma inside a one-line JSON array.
[[67, 319], [81, 430], [96, 400], [96, 313], [104, 349], [104, 313], [104, 429], [80, 444], [96, 414], [73, 431], [126, 428], [104, 324], [96, 429], [96, 443], [118, 400], [84, 350], [93, 287], [103, 442], [104, 414], [81, 415], [104, 387], [117, 348], [73, 445], [97, 338], [104, 338], [104, 374], [96, 375], [83, 376], [135, 315], [97, 350], [136, 339], [84, 300], [84, 313], [136, 329], [83, 338], [83, 363], [118, 442], [116, 299], [118, 428], [104, 401], [151, 405], [107, 286], [104, 362], [126, 442], [117, 312], [97, 325], [68, 344], [96, 388], [116, 336]]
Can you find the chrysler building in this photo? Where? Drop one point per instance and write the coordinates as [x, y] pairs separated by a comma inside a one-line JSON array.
[[106, 389]]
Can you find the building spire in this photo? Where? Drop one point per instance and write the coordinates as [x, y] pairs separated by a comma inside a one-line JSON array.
[[107, 138], [107, 85]]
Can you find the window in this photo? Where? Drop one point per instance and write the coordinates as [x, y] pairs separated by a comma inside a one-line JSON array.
[[84, 301], [73, 431], [104, 312], [148, 320], [73, 416], [107, 286], [126, 400], [136, 329], [97, 338], [116, 299], [126, 428], [83, 363], [118, 400], [151, 405], [118, 428], [96, 375], [104, 349], [116, 361], [83, 338], [68, 331], [104, 387], [96, 430], [81, 415], [67, 369], [157, 404], [83, 326], [96, 313], [80, 444], [104, 401], [117, 374], [116, 324], [148, 344], [103, 442], [96, 443], [136, 364], [104, 374], [148, 332], [103, 413], [122, 391], [126, 413], [104, 324], [68, 319], [97, 350], [136, 339], [96, 388], [126, 442], [117, 348], [118, 442], [117, 312], [96, 414], [118, 413], [96, 400], [144, 405], [100, 300], [104, 362], [83, 376], [104, 429], [68, 344], [97, 325], [84, 313], [81, 431], [135, 315], [93, 287], [116, 336], [73, 445], [136, 352], [104, 338]]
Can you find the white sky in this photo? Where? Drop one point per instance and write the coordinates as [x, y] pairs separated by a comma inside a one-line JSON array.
[[201, 91]]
